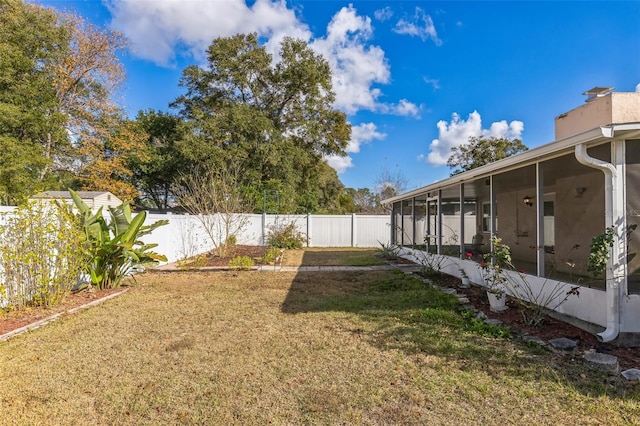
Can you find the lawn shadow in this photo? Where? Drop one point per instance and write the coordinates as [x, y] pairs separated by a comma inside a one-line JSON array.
[[405, 314]]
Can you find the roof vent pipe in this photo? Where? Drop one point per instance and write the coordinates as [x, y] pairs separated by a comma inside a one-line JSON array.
[[613, 293]]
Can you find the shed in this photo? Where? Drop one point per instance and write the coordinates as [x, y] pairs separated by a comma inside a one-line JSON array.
[[93, 199]]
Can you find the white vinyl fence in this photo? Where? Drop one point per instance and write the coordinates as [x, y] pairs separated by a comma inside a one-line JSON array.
[[185, 236]]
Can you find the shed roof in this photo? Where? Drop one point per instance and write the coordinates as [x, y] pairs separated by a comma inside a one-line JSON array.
[[85, 195]]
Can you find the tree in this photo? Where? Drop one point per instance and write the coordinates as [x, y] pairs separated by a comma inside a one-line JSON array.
[[480, 151], [155, 175], [106, 153], [388, 184], [215, 198], [276, 121], [57, 77], [30, 40]]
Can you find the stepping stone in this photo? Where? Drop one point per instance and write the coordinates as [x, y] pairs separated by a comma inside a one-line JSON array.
[[493, 321], [534, 339], [563, 343], [470, 307], [632, 374], [603, 362], [449, 290], [463, 299], [481, 315]]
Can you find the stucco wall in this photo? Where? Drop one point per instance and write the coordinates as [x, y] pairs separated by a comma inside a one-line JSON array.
[[613, 108]]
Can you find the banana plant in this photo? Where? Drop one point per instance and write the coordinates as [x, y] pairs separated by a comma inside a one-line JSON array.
[[113, 247]]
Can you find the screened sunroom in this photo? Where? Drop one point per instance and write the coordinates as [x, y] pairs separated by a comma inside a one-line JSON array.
[[547, 204]]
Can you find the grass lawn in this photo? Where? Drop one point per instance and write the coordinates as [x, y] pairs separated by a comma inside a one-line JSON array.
[[284, 348], [347, 256]]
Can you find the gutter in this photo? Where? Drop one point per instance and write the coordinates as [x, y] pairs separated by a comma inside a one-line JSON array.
[[611, 197]]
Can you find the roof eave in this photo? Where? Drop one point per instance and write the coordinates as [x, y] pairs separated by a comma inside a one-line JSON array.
[[595, 135]]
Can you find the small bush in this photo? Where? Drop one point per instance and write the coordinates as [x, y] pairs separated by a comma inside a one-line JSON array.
[[231, 240], [286, 236], [271, 256], [243, 263], [41, 255], [194, 262]]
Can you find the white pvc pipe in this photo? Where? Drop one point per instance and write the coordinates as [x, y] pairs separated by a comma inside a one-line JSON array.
[[610, 196]]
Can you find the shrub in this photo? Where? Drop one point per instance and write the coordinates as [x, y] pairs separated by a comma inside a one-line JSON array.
[[231, 240], [243, 263], [113, 247], [194, 262], [389, 251], [286, 236], [271, 256], [41, 255]]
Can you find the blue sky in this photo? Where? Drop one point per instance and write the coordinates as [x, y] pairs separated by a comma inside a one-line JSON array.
[[414, 77]]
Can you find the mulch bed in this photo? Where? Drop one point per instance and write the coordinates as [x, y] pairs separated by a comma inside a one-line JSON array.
[[12, 320], [551, 329], [254, 252]]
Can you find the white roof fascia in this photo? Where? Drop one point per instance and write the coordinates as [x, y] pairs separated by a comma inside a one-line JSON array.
[[598, 134]]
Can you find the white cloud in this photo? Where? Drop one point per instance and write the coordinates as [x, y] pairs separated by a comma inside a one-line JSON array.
[[403, 108], [458, 131], [421, 25], [340, 163], [361, 134], [157, 29], [435, 83], [356, 64], [383, 14], [638, 87], [161, 30]]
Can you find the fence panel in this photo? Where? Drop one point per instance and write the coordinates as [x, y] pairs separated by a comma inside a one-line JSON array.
[[185, 235], [372, 230]]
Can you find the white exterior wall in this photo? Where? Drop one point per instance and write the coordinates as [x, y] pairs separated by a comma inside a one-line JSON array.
[[590, 306]]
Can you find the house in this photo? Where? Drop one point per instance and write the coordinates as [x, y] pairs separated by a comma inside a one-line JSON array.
[[548, 204], [93, 199]]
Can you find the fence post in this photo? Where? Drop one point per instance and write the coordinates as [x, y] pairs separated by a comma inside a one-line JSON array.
[[353, 230], [308, 228]]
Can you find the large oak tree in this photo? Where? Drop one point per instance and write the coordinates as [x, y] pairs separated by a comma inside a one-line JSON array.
[[275, 119]]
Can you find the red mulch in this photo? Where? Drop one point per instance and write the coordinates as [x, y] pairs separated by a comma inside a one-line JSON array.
[[551, 329], [10, 321]]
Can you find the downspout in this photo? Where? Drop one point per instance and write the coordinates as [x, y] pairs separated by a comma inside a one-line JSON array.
[[610, 197]]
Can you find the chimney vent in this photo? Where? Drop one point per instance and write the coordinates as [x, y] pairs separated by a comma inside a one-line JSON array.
[[597, 92]]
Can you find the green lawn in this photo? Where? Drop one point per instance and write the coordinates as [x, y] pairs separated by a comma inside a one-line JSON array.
[[251, 348]]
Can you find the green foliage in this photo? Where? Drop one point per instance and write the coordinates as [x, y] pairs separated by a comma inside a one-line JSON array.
[[57, 73], [286, 236], [243, 263], [194, 262], [271, 256], [276, 120], [478, 326], [480, 151], [600, 252], [155, 175], [231, 240], [389, 251], [113, 247], [41, 255]]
